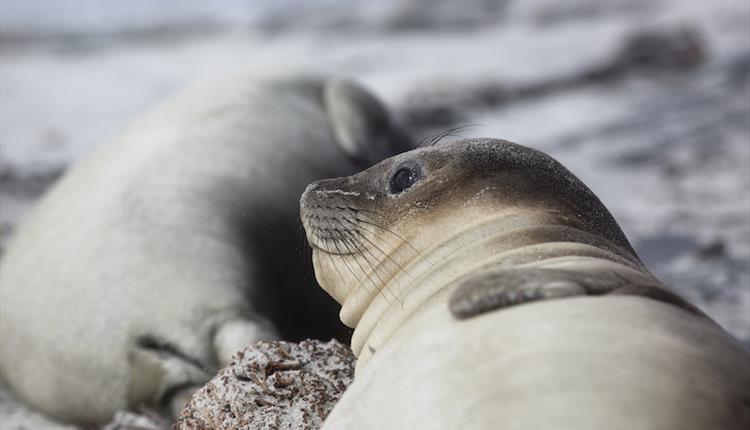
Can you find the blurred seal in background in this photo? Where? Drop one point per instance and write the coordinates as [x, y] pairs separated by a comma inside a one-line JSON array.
[[163, 252]]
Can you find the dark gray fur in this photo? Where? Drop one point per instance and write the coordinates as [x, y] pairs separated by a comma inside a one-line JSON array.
[[487, 291]]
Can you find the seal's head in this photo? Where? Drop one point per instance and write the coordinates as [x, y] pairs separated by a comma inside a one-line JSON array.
[[416, 221]]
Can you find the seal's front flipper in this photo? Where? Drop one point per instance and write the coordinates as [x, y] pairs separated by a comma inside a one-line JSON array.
[[499, 289], [164, 374], [161, 374]]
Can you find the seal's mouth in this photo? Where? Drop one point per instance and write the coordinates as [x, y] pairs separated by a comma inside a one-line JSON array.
[[358, 253], [330, 225], [331, 229]]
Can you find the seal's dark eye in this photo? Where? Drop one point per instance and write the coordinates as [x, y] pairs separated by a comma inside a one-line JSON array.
[[402, 179]]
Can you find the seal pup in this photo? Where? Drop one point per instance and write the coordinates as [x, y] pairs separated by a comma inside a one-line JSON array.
[[166, 250], [424, 247], [492, 222]]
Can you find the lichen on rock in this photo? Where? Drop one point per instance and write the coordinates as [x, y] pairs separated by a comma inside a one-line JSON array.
[[273, 385]]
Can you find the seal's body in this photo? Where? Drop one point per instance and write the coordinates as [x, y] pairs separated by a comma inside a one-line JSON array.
[[582, 363], [149, 263], [457, 231]]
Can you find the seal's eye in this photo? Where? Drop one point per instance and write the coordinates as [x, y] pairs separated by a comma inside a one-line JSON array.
[[402, 179]]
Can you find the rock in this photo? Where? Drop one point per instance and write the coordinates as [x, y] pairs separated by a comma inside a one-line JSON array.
[[667, 48], [273, 385], [715, 249], [29, 182]]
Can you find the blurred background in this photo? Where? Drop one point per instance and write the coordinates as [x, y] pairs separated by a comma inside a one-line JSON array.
[[647, 101]]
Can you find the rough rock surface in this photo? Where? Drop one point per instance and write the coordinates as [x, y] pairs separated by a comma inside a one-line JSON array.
[[273, 385]]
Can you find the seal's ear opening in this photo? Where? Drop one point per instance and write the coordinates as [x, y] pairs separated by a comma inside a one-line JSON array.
[[361, 124]]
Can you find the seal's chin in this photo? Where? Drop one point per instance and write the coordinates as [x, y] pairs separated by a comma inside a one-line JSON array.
[[330, 278], [315, 242]]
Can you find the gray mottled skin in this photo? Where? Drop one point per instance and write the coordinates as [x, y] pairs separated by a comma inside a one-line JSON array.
[[169, 248]]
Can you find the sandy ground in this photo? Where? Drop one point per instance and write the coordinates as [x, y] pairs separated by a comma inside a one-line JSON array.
[[657, 126]]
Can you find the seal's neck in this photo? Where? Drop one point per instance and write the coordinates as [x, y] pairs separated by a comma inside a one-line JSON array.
[[533, 239]]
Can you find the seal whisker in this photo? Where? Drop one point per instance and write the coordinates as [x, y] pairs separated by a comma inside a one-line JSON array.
[[364, 272], [346, 264], [332, 230], [358, 226], [354, 252], [384, 285], [335, 267], [386, 255], [353, 209], [392, 274], [373, 266], [434, 139], [343, 260], [389, 231]]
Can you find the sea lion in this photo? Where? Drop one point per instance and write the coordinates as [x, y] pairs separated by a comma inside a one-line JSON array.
[[168, 249], [443, 236]]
